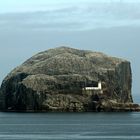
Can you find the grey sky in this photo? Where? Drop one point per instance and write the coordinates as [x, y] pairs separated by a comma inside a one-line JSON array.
[[30, 26], [33, 5], [70, 15]]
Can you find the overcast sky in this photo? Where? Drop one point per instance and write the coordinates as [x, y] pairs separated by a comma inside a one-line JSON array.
[[69, 14], [30, 26], [31, 5]]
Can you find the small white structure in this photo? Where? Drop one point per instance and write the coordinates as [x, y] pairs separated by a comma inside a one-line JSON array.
[[94, 88]]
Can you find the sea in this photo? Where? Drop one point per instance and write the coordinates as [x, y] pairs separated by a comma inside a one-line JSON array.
[[70, 126]]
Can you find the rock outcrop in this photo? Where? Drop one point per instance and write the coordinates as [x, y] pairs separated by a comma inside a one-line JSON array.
[[57, 80]]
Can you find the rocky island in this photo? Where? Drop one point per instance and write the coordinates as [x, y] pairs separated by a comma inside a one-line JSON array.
[[69, 80]]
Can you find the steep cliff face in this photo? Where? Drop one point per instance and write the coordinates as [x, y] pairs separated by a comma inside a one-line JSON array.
[[56, 80]]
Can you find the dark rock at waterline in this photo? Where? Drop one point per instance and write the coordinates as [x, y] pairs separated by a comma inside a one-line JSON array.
[[57, 80]]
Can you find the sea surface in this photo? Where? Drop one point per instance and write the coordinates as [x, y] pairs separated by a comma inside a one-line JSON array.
[[70, 126]]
